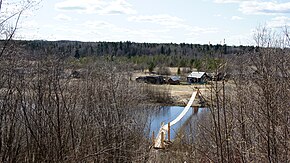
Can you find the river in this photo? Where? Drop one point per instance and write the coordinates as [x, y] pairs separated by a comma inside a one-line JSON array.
[[167, 114]]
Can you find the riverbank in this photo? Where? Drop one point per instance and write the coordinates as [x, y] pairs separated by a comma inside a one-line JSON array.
[[180, 94]]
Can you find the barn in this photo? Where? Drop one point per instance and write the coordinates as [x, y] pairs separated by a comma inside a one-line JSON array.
[[174, 80], [151, 79], [197, 77]]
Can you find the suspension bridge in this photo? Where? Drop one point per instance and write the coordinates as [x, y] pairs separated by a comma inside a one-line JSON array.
[[158, 142]]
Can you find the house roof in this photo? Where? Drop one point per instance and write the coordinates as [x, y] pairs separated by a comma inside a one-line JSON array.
[[175, 78], [196, 74]]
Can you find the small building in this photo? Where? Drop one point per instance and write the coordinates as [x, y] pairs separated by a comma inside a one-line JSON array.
[[174, 80], [197, 77], [151, 79]]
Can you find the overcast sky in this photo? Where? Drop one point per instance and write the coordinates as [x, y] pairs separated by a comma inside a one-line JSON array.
[[161, 21]]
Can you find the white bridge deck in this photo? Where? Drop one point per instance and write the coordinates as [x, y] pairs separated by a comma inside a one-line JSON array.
[[164, 128]]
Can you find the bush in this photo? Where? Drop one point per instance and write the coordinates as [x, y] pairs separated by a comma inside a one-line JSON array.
[[163, 71]]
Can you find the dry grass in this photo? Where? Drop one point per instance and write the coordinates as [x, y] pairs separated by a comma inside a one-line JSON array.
[[173, 71], [179, 93], [182, 93]]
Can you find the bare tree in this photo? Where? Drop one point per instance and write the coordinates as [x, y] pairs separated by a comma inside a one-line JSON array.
[[248, 118]]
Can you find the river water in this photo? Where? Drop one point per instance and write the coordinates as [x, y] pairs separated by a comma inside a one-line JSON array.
[[167, 114]]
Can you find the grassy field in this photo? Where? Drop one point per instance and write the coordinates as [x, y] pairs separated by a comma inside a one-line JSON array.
[[180, 93]]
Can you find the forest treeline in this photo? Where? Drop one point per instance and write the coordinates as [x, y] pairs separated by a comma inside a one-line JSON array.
[[143, 54], [130, 49]]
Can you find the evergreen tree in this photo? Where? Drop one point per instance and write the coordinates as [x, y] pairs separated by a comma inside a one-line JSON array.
[[77, 54], [151, 67], [178, 70]]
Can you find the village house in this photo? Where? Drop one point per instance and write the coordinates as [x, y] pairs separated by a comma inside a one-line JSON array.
[[197, 77], [174, 80]]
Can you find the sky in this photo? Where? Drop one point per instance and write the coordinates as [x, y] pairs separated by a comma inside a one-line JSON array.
[[154, 21]]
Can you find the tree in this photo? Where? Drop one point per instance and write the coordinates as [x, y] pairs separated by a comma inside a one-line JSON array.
[[77, 54], [162, 50], [248, 119], [8, 31], [151, 66], [178, 70], [163, 70], [47, 116]]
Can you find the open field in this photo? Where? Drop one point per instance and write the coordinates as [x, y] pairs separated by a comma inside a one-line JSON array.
[[180, 93]]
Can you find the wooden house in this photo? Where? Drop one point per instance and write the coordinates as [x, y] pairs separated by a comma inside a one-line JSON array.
[[197, 77], [174, 80]]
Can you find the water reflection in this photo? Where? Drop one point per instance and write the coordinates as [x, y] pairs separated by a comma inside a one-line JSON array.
[[167, 114]]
